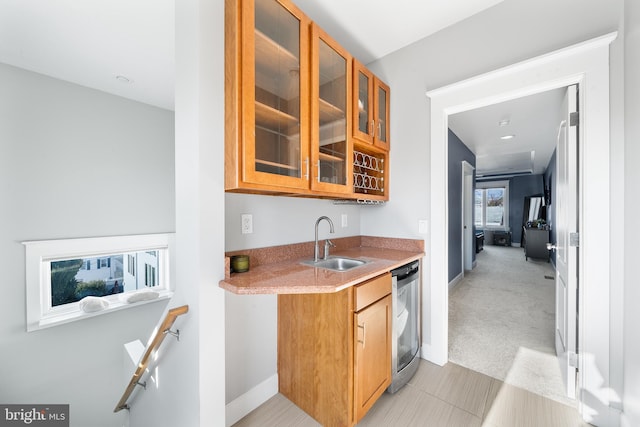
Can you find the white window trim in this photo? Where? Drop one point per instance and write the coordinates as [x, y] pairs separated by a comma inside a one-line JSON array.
[[497, 184], [39, 255]]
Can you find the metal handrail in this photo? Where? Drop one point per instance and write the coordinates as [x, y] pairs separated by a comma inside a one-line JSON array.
[[154, 344]]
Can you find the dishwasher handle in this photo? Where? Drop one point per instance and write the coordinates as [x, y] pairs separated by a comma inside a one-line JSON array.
[[406, 273]]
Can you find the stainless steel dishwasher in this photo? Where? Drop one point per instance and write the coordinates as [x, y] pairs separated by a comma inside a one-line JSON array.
[[405, 328]]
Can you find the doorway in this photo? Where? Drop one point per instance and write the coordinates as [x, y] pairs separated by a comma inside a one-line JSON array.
[[501, 320], [508, 172], [573, 65]]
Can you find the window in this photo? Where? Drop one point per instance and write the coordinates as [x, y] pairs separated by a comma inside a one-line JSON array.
[[492, 205], [149, 275], [60, 273], [131, 264]]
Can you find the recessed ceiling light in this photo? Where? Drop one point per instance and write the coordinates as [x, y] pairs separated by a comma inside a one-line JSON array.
[[123, 79], [504, 122], [507, 137]]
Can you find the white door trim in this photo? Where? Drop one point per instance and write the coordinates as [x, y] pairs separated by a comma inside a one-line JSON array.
[[586, 64], [467, 216]]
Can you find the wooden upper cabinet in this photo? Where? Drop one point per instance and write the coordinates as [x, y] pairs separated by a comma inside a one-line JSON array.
[[370, 107], [267, 95], [381, 114], [292, 110], [331, 147]]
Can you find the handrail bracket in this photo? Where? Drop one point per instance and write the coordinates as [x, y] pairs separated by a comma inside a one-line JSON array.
[[176, 334]]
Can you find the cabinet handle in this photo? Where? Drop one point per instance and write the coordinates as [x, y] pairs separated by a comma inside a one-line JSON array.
[[318, 170], [372, 127], [364, 336], [306, 168], [379, 130]]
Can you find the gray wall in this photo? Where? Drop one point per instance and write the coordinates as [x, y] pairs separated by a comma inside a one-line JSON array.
[[457, 152], [519, 188], [75, 162]]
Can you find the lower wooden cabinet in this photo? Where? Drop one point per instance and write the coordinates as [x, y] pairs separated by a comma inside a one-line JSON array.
[[334, 350]]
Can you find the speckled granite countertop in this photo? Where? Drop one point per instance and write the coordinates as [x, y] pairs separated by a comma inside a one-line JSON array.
[[278, 269]]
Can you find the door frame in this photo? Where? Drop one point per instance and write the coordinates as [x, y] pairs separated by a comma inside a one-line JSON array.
[[586, 64], [467, 216]]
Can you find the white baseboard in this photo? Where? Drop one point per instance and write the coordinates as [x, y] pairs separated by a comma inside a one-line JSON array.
[[242, 405], [427, 353], [455, 281]]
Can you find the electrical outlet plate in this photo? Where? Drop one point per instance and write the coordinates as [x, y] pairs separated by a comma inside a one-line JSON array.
[[423, 226], [247, 223], [345, 222]]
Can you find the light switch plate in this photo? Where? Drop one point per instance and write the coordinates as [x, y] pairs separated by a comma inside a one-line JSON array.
[[423, 226], [345, 221]]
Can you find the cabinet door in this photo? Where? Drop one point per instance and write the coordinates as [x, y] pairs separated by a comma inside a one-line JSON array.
[[363, 125], [331, 149], [381, 114], [372, 368], [275, 94]]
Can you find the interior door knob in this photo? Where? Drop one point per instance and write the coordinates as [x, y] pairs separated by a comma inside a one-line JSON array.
[[551, 247]]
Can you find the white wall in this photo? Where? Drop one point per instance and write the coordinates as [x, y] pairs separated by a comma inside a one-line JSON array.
[[504, 34], [284, 220], [631, 400], [66, 153], [192, 376], [251, 322]]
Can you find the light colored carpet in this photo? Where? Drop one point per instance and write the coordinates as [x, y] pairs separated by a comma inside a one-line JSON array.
[[502, 322]]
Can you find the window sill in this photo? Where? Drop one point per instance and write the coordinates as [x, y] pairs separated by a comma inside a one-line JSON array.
[[115, 304]]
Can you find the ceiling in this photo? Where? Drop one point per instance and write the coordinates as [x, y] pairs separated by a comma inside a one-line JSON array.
[[532, 120], [91, 43], [126, 48]]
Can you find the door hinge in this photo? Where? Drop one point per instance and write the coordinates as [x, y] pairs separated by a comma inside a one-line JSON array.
[[574, 239], [574, 119], [573, 359]]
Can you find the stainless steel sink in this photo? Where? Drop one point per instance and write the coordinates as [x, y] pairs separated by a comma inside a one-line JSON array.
[[336, 263]]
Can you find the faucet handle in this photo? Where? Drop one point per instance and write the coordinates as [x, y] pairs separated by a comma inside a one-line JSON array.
[[327, 244]]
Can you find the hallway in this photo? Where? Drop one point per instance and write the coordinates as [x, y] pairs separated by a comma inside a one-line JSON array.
[[502, 321]]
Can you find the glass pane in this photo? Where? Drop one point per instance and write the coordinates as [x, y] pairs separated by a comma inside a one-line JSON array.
[[74, 279], [479, 220], [495, 207], [277, 92], [363, 103], [333, 123], [407, 322], [382, 115]]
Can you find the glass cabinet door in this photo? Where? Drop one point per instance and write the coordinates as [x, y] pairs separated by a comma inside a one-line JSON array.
[[276, 111], [381, 137], [331, 84], [363, 103]]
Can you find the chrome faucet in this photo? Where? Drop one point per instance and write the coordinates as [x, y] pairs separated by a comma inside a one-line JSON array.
[[316, 248]]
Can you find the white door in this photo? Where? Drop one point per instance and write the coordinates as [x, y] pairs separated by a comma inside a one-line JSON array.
[[566, 201], [467, 216]]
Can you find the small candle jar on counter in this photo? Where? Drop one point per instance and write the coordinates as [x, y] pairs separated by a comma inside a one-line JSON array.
[[239, 263]]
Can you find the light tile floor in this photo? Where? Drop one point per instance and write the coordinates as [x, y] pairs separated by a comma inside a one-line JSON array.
[[447, 396]]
